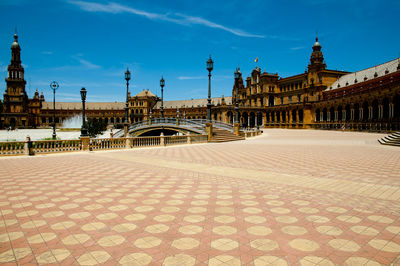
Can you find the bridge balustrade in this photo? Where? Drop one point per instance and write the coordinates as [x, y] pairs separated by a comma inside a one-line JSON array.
[[197, 125]]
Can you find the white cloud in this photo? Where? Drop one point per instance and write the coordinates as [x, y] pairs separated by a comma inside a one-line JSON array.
[[201, 21], [47, 52], [178, 18], [88, 64]]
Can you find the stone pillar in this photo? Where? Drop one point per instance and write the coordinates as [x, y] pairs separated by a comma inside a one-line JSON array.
[[380, 114], [236, 129], [352, 114], [336, 115], [126, 129], [343, 115], [307, 118], [328, 116], [361, 112], [189, 138], [391, 110], [127, 143], [264, 117], [162, 142], [85, 143], [370, 113], [209, 131], [26, 148]]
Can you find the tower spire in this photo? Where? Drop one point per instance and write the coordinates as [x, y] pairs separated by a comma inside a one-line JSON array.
[[317, 57]]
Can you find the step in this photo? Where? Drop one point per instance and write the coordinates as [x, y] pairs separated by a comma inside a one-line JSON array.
[[392, 139], [392, 144]]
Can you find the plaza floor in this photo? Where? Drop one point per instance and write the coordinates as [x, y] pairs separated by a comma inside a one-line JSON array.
[[287, 197]]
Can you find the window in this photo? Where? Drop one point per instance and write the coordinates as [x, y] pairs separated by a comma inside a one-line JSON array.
[[290, 98]]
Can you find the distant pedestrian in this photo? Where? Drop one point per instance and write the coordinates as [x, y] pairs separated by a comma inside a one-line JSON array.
[[343, 127]]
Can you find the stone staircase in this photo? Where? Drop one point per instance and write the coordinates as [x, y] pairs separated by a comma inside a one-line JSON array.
[[392, 139], [221, 135]]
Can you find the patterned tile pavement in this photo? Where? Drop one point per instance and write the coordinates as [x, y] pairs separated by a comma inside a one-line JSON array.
[[288, 197]]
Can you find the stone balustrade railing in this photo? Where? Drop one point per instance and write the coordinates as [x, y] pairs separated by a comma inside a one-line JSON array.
[[107, 143], [250, 133], [173, 140], [52, 146], [29, 147], [145, 141], [12, 148]]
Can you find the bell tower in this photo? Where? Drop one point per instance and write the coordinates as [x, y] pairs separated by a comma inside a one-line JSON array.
[[317, 58], [15, 113]]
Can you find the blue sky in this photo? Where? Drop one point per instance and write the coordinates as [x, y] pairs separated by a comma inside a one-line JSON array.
[[91, 43]]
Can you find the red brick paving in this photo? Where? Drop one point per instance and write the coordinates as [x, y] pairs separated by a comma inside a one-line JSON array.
[[116, 207]]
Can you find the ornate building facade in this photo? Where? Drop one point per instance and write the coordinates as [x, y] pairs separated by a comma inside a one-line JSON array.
[[318, 98]]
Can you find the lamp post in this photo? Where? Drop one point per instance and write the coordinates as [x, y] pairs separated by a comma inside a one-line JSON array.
[[54, 86], [237, 76], [84, 132], [210, 64], [127, 78], [162, 84]]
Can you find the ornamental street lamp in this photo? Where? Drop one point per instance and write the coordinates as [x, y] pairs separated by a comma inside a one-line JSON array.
[[210, 64], [54, 86], [84, 131], [237, 76], [162, 84], [127, 78]]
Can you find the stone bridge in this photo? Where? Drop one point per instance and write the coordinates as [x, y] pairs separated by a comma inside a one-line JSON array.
[[172, 126]]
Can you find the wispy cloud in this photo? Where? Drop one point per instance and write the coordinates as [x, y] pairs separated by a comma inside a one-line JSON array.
[[88, 64], [47, 52], [201, 21], [177, 18]]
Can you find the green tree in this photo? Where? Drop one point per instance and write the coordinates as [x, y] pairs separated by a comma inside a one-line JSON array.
[[95, 127]]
